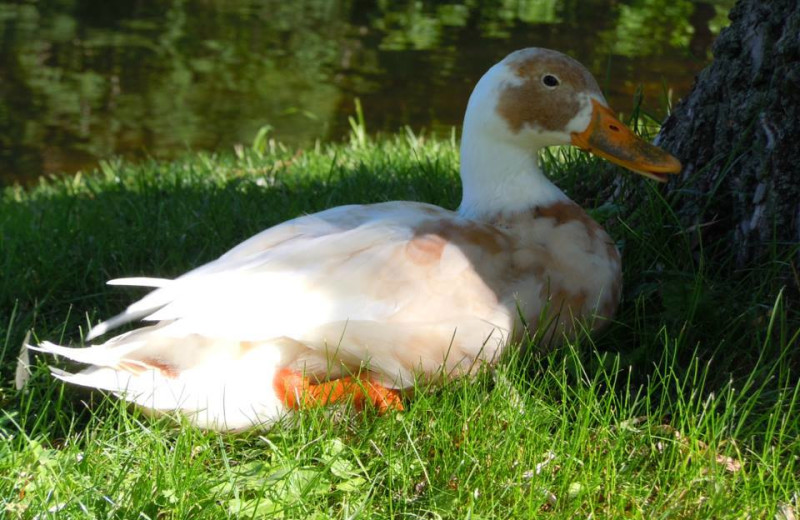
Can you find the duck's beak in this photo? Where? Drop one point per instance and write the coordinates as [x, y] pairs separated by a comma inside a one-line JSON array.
[[607, 137]]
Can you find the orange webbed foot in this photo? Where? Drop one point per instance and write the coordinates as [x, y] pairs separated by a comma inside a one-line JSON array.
[[382, 398], [297, 392]]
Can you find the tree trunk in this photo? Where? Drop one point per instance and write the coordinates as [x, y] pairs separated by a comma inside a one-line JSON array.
[[737, 134]]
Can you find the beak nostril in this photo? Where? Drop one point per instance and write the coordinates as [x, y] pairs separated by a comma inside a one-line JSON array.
[[613, 128]]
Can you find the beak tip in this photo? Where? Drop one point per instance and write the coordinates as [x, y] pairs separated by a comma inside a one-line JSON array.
[[676, 165]]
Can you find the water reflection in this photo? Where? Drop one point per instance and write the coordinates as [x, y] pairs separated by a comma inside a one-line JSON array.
[[82, 80]]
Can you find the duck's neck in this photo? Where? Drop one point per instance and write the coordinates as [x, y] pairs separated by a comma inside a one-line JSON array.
[[501, 178]]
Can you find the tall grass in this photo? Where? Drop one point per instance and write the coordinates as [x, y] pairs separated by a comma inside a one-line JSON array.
[[685, 407]]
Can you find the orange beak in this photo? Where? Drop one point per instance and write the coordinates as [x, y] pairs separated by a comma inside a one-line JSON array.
[[607, 137]]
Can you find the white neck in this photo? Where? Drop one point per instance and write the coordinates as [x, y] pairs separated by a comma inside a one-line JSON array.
[[499, 177]]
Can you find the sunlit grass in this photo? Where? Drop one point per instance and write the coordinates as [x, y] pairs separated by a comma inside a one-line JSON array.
[[685, 407]]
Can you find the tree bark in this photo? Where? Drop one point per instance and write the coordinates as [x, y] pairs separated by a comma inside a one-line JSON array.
[[737, 134]]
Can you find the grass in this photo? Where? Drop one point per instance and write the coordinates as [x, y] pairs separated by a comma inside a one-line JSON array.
[[685, 407]]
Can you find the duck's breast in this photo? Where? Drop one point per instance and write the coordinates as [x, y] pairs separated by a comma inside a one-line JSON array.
[[565, 266]]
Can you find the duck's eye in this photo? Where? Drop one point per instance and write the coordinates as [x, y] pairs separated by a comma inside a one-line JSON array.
[[550, 81]]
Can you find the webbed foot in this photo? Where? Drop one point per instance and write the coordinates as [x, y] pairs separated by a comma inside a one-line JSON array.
[[298, 391]]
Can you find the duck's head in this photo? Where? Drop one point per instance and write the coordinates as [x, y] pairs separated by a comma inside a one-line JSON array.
[[538, 97]]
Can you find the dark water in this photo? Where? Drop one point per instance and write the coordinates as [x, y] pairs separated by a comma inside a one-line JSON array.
[[83, 80]]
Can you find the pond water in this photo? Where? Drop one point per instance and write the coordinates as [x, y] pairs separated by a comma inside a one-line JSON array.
[[84, 80]]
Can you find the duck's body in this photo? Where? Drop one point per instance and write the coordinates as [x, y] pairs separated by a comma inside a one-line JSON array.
[[402, 291]]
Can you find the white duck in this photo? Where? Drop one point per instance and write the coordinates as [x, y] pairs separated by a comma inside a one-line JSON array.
[[362, 301]]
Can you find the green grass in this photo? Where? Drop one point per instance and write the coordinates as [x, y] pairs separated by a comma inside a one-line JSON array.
[[685, 407]]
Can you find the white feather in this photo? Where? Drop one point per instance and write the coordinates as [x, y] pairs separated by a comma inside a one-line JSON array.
[[140, 281], [222, 392]]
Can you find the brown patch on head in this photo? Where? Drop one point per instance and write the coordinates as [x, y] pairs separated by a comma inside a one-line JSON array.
[[533, 103]]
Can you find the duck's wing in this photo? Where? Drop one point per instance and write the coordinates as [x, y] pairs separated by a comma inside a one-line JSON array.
[[403, 286]]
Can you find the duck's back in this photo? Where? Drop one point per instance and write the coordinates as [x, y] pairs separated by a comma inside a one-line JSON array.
[[408, 288]]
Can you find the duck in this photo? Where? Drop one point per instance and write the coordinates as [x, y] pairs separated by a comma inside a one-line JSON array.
[[363, 302]]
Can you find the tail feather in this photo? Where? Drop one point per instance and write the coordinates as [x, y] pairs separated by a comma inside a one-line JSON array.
[[214, 383], [140, 281], [149, 389], [120, 319], [138, 310], [98, 355]]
